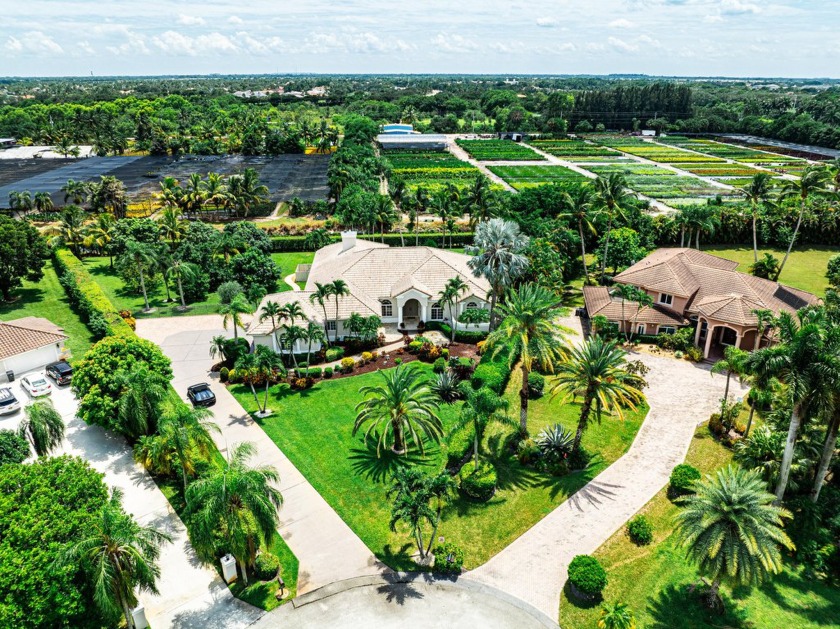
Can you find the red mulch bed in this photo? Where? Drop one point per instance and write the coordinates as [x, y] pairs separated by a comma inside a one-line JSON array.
[[456, 350]]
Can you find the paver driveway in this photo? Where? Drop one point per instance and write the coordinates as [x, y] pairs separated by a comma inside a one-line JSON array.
[[533, 568], [328, 550]]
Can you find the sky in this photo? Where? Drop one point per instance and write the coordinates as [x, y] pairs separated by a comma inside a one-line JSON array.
[[771, 38]]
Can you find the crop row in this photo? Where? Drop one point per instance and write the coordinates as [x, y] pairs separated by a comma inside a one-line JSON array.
[[718, 170], [498, 150], [727, 151], [429, 169], [536, 175]]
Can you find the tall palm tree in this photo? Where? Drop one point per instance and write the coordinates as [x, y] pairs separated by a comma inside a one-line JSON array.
[[239, 502], [289, 336], [43, 202], [338, 289], [180, 271], [172, 226], [497, 255], [732, 364], [142, 392], [730, 527], [480, 409], [402, 408], [479, 200], [449, 297], [100, 235], [257, 368], [807, 362], [384, 213], [292, 311], [271, 311], [217, 346], [70, 231], [171, 194], [583, 208], [143, 257], [756, 192], [320, 296], [123, 557], [412, 508], [597, 370], [313, 334], [20, 201], [43, 426], [813, 182], [77, 191], [232, 313], [529, 330], [613, 194]]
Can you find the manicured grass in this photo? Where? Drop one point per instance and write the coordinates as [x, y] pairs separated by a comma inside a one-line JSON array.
[[655, 579], [288, 262], [47, 299], [805, 269], [315, 433]]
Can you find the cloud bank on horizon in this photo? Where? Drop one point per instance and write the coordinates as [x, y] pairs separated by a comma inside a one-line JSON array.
[[797, 38]]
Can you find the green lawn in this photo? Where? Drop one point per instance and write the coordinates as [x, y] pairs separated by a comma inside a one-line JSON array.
[[315, 433], [654, 579], [288, 261], [805, 269], [47, 299]]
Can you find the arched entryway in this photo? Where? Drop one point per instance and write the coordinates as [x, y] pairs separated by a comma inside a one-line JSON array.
[[411, 314]]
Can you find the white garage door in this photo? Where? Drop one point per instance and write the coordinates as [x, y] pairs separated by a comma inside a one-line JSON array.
[[30, 361]]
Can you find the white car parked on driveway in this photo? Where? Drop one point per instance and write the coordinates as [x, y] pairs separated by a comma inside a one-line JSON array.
[[8, 402], [36, 384]]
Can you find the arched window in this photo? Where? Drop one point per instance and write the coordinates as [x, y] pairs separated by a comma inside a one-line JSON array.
[[387, 308], [437, 312], [472, 305]]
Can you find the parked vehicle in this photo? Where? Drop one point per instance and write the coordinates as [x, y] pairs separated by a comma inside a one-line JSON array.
[[8, 402], [201, 395], [36, 384], [61, 372]]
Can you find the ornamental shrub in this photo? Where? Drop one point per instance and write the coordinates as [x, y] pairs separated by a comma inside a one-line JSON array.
[[440, 365], [314, 372], [480, 346], [224, 373], [234, 377], [587, 575], [266, 566], [536, 385], [449, 558], [478, 484], [14, 448], [228, 290], [694, 354], [415, 346], [347, 364], [527, 451], [682, 480], [366, 357], [444, 351], [328, 372], [333, 354], [640, 530], [487, 376]]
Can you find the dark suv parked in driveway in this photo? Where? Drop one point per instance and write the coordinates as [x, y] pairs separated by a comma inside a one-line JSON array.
[[201, 395], [60, 371]]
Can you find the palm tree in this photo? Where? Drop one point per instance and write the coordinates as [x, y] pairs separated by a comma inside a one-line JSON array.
[[412, 508], [70, 231], [184, 438], [290, 335], [240, 502], [101, 234], [180, 271], [257, 368], [143, 257], [497, 256], [757, 192], [171, 194], [172, 226], [313, 334], [616, 616], [272, 311], [292, 311], [449, 297], [582, 207], [813, 182], [43, 426], [231, 313], [732, 364], [730, 527], [43, 202], [479, 200], [528, 330], [77, 191], [20, 202], [338, 288], [613, 194], [142, 391], [829, 447], [806, 361], [215, 191], [402, 407], [217, 346], [246, 191], [320, 296], [597, 370], [122, 555], [384, 212], [480, 409]]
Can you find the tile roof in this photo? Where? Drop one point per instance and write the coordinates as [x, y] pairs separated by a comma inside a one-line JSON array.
[[599, 302], [27, 334], [346, 306]]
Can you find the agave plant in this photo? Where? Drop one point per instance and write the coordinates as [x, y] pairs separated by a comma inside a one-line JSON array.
[[555, 442], [447, 386]]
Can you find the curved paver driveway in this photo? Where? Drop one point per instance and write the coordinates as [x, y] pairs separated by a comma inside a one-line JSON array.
[[533, 568]]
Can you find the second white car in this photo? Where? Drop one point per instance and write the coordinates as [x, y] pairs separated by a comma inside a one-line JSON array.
[[36, 384]]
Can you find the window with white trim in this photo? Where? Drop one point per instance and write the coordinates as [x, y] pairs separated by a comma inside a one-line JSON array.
[[437, 312], [665, 298], [387, 308], [472, 305], [667, 329], [331, 326], [640, 329]]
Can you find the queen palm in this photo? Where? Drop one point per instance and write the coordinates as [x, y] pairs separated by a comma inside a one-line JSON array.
[[70, 231], [100, 235], [583, 208], [321, 296], [232, 313], [732, 364], [172, 226], [807, 362], [403, 409], [529, 330], [238, 501], [482, 408], [756, 192], [731, 529], [813, 182], [597, 371], [313, 334], [271, 311], [184, 437], [449, 297], [290, 335], [497, 255], [338, 288], [122, 556], [43, 426], [43, 202], [142, 392], [180, 271], [143, 258], [292, 311], [613, 194]]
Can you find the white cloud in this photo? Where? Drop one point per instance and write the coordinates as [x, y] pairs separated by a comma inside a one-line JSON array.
[[85, 47], [178, 44], [622, 23], [190, 20], [620, 44], [736, 7], [547, 22], [448, 42], [649, 41], [34, 43], [713, 19], [131, 42], [235, 19]]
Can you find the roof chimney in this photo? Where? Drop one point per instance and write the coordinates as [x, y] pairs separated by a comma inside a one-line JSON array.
[[348, 240]]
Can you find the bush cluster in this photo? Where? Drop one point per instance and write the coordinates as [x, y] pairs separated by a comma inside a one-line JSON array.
[[682, 479], [333, 354], [13, 447], [587, 575], [347, 364], [439, 365], [536, 385], [449, 558], [640, 530], [266, 566], [478, 484]]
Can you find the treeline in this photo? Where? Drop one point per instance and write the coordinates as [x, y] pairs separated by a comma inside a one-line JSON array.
[[619, 107]]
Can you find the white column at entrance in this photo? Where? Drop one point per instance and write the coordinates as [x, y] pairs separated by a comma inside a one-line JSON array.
[[697, 332], [709, 333]]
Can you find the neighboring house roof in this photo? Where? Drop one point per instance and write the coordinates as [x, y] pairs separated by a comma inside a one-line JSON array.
[[713, 286], [599, 302], [27, 334]]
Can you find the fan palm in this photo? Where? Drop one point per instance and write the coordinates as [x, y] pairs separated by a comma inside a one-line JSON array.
[[232, 313], [597, 371], [480, 409], [813, 182], [613, 194], [731, 529], [43, 426], [402, 408], [528, 330], [756, 192], [142, 391], [240, 502]]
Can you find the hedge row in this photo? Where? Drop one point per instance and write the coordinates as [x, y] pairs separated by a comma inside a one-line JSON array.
[[86, 297], [464, 336], [282, 244]]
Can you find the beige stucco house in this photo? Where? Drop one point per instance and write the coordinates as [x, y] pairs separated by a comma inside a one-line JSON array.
[[400, 285], [29, 343], [686, 286]]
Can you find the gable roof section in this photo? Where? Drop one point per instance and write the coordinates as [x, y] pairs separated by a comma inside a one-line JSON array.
[[599, 302], [27, 334], [731, 308]]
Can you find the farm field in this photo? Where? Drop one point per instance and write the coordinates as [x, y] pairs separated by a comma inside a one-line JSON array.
[[430, 169], [521, 177], [498, 150], [775, 161], [652, 151], [662, 184], [577, 151]]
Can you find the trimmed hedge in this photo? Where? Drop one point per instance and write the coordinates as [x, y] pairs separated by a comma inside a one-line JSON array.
[[87, 298], [266, 566], [494, 370], [464, 336], [478, 484], [282, 244]]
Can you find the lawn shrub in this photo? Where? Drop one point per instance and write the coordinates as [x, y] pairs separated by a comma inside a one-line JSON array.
[[266, 566], [439, 365], [488, 376], [458, 445], [680, 340], [347, 364], [366, 357], [234, 349], [414, 346], [587, 576], [449, 558], [478, 484], [13, 447], [444, 351], [328, 372], [234, 377], [224, 373], [463, 367], [682, 480], [640, 530], [334, 353], [694, 354], [536, 385]]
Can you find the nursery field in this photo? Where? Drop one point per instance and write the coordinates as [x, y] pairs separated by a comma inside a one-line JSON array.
[[577, 151], [735, 153], [498, 150], [652, 151], [662, 184], [521, 177], [429, 169]]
